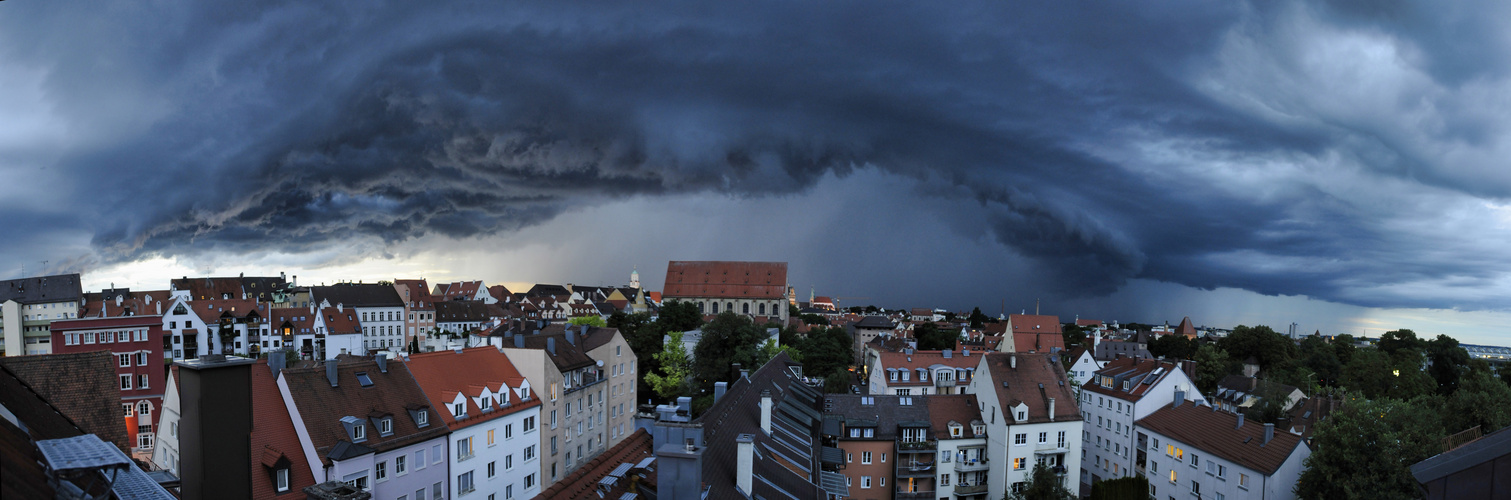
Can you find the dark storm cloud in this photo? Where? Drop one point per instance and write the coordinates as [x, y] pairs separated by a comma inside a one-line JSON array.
[[1189, 142]]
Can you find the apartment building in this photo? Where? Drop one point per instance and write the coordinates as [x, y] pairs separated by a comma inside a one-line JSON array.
[[136, 345], [1124, 391], [29, 305], [494, 417], [419, 309], [1031, 417], [911, 373], [378, 308], [963, 466], [1193, 450]]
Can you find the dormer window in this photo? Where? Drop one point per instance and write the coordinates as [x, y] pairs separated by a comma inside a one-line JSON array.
[[978, 429], [385, 426], [281, 479], [459, 410], [359, 433], [487, 403], [355, 429]]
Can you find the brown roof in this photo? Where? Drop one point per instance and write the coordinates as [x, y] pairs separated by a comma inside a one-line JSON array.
[[1036, 378], [81, 385], [323, 406], [460, 290], [1135, 370], [298, 318], [1217, 432], [1185, 328], [211, 310], [582, 482], [209, 288], [273, 439], [1088, 322], [20, 463], [442, 374], [1034, 323], [499, 293], [418, 291], [958, 408], [726, 280], [1038, 342], [341, 320], [568, 356], [925, 359]]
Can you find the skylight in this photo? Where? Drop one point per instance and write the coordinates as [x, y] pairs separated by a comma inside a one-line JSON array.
[[363, 379]]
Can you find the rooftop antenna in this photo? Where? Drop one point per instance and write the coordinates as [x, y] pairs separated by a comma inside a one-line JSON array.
[[1036, 306], [44, 265]]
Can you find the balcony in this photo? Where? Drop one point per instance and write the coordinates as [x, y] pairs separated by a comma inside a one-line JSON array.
[[973, 465], [970, 489], [915, 446], [914, 494], [915, 469], [940, 382]]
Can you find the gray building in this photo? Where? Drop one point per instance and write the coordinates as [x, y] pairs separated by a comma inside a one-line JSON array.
[[29, 305]]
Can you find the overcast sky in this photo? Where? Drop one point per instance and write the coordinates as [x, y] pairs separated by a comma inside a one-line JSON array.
[[1339, 165]]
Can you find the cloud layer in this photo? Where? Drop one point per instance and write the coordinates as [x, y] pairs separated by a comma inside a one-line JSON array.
[[1352, 152]]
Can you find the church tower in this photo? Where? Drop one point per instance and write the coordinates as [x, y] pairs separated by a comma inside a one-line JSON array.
[[635, 279]]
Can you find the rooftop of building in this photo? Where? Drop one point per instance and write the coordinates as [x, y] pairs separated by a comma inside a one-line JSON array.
[[391, 393], [274, 443], [726, 279], [795, 426], [42, 289], [611, 474], [1141, 375], [884, 413], [358, 295], [1219, 433], [443, 374], [1033, 381], [81, 385]]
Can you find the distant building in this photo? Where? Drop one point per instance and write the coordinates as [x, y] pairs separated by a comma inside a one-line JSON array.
[[378, 307], [1190, 450], [1033, 333], [917, 373], [1108, 350], [749, 288], [419, 308], [1082, 365], [28, 305]]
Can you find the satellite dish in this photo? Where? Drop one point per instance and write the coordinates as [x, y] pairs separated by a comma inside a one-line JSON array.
[[600, 363]]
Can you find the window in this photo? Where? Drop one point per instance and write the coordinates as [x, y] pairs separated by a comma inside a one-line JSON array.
[[553, 419], [865, 457], [419, 459], [282, 480], [1018, 463], [1194, 461], [129, 408], [1243, 480], [865, 481], [944, 479], [530, 481], [435, 454], [464, 482], [1020, 439], [358, 480], [529, 424], [491, 466], [124, 360], [1043, 437], [463, 449], [141, 358], [1222, 471], [1172, 475], [125, 382], [1170, 450], [1195, 488], [435, 491], [381, 471], [1061, 442], [359, 432], [529, 453], [422, 418], [398, 464], [509, 462], [490, 437], [385, 426]]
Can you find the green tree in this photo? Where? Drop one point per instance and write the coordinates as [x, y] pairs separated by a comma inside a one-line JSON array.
[[827, 351], [1134, 487], [1411, 381], [1369, 373], [771, 348], [588, 320], [646, 339], [1172, 347], [1321, 359], [1480, 400], [1074, 336], [673, 368], [977, 319], [730, 338], [1398, 340], [1042, 484], [932, 338], [1212, 364], [1343, 346], [1366, 449], [680, 316], [813, 319], [1271, 349], [1448, 361]]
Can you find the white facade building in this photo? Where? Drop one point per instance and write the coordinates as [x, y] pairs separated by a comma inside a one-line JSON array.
[[1192, 451], [1029, 409], [1122, 392]]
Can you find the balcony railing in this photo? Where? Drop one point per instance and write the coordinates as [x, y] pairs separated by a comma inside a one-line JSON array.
[[914, 494], [915, 469], [970, 489], [917, 445], [973, 465]]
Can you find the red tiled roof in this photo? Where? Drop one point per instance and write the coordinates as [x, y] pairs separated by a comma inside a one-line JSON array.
[[300, 318], [958, 408], [322, 406], [1038, 342], [582, 482], [209, 288], [339, 321], [273, 439], [1034, 323], [1023, 385], [499, 293], [1088, 322], [726, 280], [465, 290], [1217, 432], [926, 360], [1186, 328], [442, 374], [998, 329]]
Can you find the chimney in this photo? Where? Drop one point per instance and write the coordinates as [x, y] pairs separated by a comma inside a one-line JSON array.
[[382, 363], [1240, 421], [745, 462], [1269, 433], [1180, 396], [1012, 362], [217, 418], [766, 412], [1051, 409], [276, 363], [294, 282], [571, 336], [745, 374], [330, 372], [519, 341], [736, 367], [719, 389], [948, 353], [551, 345]]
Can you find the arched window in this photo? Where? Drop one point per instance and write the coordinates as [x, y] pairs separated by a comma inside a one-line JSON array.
[[762, 308], [716, 308], [745, 308], [700, 308], [144, 408], [729, 306]]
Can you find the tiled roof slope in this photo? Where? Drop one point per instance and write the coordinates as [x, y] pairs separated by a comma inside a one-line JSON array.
[[444, 373], [1088, 322], [81, 385], [568, 356], [322, 406], [464, 311], [876, 322], [583, 482], [738, 412], [1037, 378], [1034, 323], [1038, 342], [1217, 432], [273, 439], [1137, 371], [912, 361], [23, 474], [959, 408], [358, 295], [41, 289], [42, 419], [725, 279]]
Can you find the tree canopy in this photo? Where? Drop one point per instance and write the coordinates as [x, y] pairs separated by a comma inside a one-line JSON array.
[[1365, 450], [1042, 484], [730, 338], [932, 338], [588, 320]]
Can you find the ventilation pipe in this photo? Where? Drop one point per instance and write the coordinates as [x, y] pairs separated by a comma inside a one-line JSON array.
[[745, 462], [766, 412]]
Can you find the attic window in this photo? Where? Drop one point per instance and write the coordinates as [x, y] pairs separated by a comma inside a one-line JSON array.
[[385, 426], [363, 379]]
